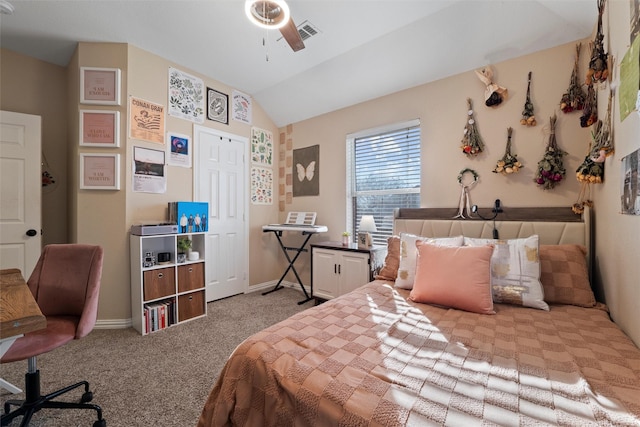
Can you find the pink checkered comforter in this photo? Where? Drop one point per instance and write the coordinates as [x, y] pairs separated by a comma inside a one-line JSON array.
[[372, 358]]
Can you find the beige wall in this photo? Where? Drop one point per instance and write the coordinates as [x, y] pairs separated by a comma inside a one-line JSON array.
[[441, 108], [617, 235], [31, 86], [27, 87], [104, 217], [148, 79]]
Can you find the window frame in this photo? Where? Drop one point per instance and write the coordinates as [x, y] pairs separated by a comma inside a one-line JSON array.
[[352, 227]]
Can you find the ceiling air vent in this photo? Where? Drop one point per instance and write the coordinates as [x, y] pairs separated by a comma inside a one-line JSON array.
[[306, 30]]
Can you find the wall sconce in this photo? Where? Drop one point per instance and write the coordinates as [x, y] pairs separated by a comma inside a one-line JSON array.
[[497, 208], [367, 226]]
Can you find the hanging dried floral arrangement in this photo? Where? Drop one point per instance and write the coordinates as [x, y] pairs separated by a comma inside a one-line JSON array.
[[471, 141], [573, 98], [604, 137], [590, 111], [528, 119], [591, 171], [598, 64], [493, 94], [584, 199], [551, 168], [509, 163]]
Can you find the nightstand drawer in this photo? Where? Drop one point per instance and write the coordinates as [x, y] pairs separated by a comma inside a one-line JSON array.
[[159, 283]]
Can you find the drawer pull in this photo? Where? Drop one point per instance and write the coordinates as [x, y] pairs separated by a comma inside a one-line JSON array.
[[190, 269], [160, 275], [190, 297]]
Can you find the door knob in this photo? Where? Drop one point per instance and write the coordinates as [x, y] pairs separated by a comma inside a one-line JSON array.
[[32, 232]]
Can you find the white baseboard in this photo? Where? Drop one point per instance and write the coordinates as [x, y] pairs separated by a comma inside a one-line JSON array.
[[113, 324], [272, 284], [126, 323]]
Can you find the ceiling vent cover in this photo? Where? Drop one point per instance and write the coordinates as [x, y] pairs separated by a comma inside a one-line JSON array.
[[306, 31]]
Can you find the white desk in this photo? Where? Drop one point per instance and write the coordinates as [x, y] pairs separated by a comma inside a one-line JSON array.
[[305, 230]]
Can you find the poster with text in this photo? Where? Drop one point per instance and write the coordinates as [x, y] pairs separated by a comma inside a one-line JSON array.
[[149, 171], [629, 79], [179, 149], [146, 120], [631, 183], [241, 107]]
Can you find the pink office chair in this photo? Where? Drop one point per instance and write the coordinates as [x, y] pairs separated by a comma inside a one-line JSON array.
[[66, 285]]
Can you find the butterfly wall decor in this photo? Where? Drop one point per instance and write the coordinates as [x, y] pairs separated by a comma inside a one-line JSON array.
[[306, 180], [307, 172]]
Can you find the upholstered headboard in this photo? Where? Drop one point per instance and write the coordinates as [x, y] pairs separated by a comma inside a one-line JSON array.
[[552, 225]]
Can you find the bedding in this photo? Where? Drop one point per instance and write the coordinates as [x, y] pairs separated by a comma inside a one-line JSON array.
[[374, 357], [378, 357]]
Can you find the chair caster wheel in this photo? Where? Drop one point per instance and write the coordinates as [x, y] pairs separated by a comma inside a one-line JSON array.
[[100, 423], [87, 396]]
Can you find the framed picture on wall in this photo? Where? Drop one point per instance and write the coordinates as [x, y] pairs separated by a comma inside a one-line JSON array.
[[217, 106], [99, 171], [100, 86], [100, 128]]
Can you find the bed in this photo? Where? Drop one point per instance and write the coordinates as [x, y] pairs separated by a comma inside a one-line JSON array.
[[377, 357]]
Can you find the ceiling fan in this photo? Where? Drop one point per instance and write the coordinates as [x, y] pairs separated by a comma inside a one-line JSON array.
[[274, 14]]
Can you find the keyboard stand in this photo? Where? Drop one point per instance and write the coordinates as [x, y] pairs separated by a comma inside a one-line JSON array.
[[298, 251]]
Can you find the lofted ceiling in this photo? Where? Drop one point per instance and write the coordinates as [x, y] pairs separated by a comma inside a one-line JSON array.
[[364, 49]]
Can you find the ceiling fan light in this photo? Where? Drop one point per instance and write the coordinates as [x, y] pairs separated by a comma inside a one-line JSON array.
[[269, 14]]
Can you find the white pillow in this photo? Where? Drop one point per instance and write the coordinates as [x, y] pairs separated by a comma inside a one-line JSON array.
[[515, 271], [409, 253]]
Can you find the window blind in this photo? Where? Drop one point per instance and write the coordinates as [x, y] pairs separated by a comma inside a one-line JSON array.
[[385, 175]]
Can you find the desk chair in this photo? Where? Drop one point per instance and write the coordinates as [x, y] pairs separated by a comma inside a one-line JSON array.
[[65, 283]]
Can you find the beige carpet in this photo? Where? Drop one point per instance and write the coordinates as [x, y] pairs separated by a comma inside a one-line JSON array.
[[162, 379]]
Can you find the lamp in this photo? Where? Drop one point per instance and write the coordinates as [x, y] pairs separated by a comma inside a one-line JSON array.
[[367, 225], [269, 14], [497, 208]]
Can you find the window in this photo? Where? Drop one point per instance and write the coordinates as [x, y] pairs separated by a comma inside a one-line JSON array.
[[383, 173]]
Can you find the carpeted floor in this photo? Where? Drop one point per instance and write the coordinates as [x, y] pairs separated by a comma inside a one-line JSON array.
[[162, 379]]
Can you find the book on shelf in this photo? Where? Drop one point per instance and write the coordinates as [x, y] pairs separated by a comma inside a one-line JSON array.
[[159, 315]]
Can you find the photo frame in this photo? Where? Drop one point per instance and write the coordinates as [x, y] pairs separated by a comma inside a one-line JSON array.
[[99, 86], [100, 128], [99, 171], [364, 241], [217, 106]]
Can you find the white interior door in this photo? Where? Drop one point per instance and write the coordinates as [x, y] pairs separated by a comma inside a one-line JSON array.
[[220, 174], [20, 191]]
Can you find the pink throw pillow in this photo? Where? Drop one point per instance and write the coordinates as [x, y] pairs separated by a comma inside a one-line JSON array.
[[457, 277]]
